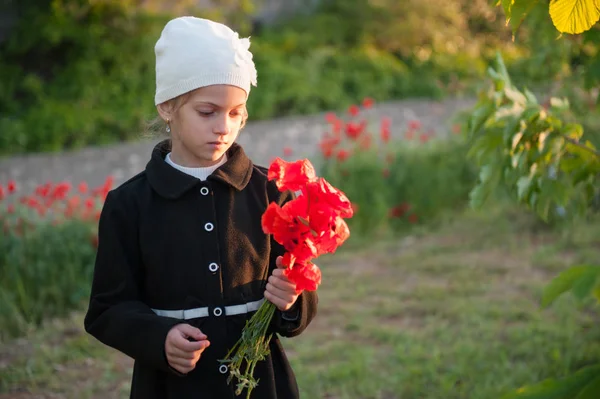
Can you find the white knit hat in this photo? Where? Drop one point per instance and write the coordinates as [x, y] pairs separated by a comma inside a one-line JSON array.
[[194, 52]]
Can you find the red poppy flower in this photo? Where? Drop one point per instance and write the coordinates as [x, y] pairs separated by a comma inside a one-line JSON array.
[[414, 125], [305, 276], [323, 192], [1, 192], [385, 130], [334, 236], [330, 117], [368, 102], [342, 155], [83, 187], [338, 125], [354, 130], [354, 110], [11, 186], [291, 175]]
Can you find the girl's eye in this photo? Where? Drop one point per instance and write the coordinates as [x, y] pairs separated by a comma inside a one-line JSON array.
[[205, 113]]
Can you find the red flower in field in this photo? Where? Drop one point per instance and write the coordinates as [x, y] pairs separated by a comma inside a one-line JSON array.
[[414, 125], [354, 110], [291, 175], [399, 210], [368, 102], [33, 202], [43, 190], [97, 215], [424, 138], [354, 130], [330, 117], [287, 151], [60, 191], [2, 194], [306, 276], [10, 208], [83, 187], [11, 186], [342, 155], [413, 218], [89, 203], [409, 135], [102, 191], [385, 134], [386, 122], [338, 125], [386, 173]]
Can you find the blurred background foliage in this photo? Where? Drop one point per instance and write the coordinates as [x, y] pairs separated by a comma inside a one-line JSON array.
[[81, 72]]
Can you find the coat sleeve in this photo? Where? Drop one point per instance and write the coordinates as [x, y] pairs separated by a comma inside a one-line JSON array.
[[116, 316], [294, 321]]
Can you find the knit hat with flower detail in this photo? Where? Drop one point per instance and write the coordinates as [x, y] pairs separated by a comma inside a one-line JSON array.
[[194, 52]]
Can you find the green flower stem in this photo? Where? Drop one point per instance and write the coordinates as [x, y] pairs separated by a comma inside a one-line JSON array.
[[252, 347]]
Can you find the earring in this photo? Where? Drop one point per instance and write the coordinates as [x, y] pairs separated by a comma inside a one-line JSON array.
[[168, 129]]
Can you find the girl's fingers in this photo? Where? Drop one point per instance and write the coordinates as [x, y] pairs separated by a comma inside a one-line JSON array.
[[285, 295], [278, 302], [282, 283], [178, 353], [186, 346]]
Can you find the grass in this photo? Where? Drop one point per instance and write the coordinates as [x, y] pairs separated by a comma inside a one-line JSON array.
[[449, 312]]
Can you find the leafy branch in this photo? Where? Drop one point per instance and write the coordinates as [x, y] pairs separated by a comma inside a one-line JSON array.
[[527, 148]]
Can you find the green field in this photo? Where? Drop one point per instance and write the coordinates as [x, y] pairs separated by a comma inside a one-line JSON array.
[[451, 311]]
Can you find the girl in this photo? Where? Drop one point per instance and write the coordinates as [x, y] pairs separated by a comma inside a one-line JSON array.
[[182, 260]]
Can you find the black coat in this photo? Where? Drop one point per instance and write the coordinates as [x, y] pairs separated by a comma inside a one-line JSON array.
[[154, 253]]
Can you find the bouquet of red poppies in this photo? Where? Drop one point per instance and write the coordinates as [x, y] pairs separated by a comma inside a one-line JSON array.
[[310, 225]]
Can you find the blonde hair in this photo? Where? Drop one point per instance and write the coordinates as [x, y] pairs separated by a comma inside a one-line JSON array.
[[158, 127]]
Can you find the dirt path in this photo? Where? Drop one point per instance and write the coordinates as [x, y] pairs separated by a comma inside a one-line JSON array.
[[262, 140]]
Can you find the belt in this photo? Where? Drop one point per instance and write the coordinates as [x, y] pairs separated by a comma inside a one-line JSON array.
[[186, 314]]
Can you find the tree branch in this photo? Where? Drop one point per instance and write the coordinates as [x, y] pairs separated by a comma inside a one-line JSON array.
[[578, 144]]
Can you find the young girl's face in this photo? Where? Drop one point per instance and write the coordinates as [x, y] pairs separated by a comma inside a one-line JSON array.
[[206, 125]]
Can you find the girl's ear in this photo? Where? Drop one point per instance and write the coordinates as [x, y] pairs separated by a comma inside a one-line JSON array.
[[165, 110]]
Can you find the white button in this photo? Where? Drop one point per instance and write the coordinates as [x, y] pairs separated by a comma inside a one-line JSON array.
[[213, 267], [209, 227], [204, 191], [223, 369], [218, 312]]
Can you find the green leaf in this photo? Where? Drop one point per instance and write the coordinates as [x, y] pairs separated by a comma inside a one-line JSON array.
[[559, 103], [591, 391], [567, 387], [563, 283], [585, 284], [531, 98], [518, 10], [479, 117], [523, 185], [574, 16]]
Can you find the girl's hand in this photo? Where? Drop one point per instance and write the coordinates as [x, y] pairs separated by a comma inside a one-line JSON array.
[[281, 292], [183, 354]]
